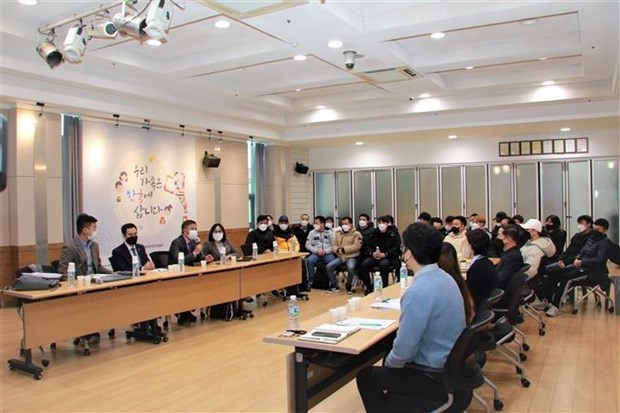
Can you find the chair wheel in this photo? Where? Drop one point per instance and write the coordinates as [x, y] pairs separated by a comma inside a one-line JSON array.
[[611, 309], [38, 376], [156, 341], [53, 346], [522, 357], [45, 362], [543, 325], [518, 370], [76, 341], [112, 333], [575, 311], [251, 315], [11, 367], [498, 405], [525, 382], [165, 339], [265, 304], [541, 332], [87, 352], [526, 347]]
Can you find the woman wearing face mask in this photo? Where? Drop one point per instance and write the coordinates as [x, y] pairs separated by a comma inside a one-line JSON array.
[[217, 240], [329, 223], [556, 233], [385, 247], [287, 241]]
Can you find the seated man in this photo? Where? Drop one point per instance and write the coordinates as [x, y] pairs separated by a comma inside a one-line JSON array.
[[188, 243], [482, 274], [447, 228], [431, 320], [437, 223], [458, 239], [302, 230], [262, 236], [124, 253], [591, 261], [536, 248], [346, 246], [283, 234], [319, 244], [384, 247], [511, 260]]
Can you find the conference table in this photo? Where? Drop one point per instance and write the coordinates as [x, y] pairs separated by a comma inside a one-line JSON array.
[[54, 315], [316, 370]]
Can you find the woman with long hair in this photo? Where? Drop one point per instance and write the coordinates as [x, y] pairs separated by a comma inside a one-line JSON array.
[[448, 262]]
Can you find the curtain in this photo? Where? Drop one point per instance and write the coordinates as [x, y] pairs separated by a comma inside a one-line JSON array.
[[259, 178], [71, 173]]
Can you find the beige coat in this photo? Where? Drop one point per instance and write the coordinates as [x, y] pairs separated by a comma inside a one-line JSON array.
[[351, 242]]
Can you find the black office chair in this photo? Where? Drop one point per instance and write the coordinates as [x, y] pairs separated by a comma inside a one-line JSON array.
[[160, 259], [455, 382]]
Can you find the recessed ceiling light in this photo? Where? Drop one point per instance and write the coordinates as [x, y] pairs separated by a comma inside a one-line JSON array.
[[548, 83], [469, 67], [438, 35], [300, 57], [565, 129], [359, 143], [153, 42], [319, 107], [297, 90], [453, 137], [424, 95], [27, 2], [543, 58], [334, 44], [222, 24], [528, 22]]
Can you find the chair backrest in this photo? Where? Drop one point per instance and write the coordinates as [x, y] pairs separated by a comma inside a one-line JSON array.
[[113, 263], [462, 369], [493, 298], [513, 293], [614, 252], [246, 250], [55, 265], [160, 259]]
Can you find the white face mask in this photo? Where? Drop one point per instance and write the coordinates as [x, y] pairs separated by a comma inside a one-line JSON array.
[[262, 227], [581, 228], [92, 235], [382, 227], [329, 225], [346, 228], [193, 234], [317, 227], [362, 223], [304, 223], [218, 236], [475, 226], [283, 227]]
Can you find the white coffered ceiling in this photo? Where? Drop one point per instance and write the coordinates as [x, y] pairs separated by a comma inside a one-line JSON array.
[[488, 69]]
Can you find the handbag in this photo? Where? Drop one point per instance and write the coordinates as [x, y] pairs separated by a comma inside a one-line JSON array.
[[32, 283]]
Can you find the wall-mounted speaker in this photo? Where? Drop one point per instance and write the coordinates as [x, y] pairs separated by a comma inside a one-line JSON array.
[[210, 160], [300, 168]]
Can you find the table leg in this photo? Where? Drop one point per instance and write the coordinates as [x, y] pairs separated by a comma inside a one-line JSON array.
[[301, 382], [27, 365]]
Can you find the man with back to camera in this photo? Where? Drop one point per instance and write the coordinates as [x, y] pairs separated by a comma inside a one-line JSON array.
[[457, 238], [262, 236], [431, 320], [189, 244], [124, 253], [424, 217], [511, 260]]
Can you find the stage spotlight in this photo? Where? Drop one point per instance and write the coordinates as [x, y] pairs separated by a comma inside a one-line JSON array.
[[102, 29], [133, 27], [50, 53], [75, 44], [158, 19]]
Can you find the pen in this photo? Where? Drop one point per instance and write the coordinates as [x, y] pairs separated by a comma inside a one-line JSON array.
[[387, 300]]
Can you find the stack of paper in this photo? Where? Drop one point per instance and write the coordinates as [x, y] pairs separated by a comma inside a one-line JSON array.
[[389, 303], [329, 333], [367, 323]]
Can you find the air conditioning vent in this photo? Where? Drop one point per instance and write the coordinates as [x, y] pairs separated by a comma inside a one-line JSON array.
[[393, 74]]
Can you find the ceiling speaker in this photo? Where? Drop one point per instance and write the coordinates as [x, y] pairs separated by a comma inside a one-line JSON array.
[[210, 160], [300, 168]]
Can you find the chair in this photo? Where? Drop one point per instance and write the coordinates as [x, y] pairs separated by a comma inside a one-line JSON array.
[[160, 259], [592, 287], [355, 283], [459, 377]]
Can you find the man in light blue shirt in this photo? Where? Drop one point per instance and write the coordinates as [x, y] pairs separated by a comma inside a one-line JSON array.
[[432, 318]]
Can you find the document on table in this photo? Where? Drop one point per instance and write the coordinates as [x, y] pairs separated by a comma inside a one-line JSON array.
[[47, 275], [329, 333], [389, 303], [367, 323]]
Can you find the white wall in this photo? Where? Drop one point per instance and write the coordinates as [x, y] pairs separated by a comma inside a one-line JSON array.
[[601, 143]]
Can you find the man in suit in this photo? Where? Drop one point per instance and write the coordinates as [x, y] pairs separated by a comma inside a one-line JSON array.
[[511, 260], [83, 250], [122, 255], [188, 243]]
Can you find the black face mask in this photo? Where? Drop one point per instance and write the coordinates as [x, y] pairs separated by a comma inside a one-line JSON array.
[[132, 240], [455, 230], [550, 227]]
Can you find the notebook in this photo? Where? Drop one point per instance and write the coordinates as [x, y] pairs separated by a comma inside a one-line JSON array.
[[329, 333]]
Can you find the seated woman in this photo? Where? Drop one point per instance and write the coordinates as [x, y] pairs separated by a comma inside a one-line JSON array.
[[217, 240], [481, 275], [448, 261]]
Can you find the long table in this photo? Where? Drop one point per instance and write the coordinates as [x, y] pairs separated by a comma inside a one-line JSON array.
[[316, 370], [51, 316]]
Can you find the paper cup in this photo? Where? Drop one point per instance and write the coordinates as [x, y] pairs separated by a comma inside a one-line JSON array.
[[358, 303], [342, 313], [87, 280], [351, 305], [171, 268], [80, 280], [233, 259], [334, 315], [203, 263]]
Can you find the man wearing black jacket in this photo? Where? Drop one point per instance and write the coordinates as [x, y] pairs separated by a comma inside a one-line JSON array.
[[302, 230], [384, 247], [482, 274], [122, 256], [262, 236], [511, 260], [367, 229]]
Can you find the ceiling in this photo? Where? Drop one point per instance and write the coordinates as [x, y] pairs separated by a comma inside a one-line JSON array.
[[487, 70]]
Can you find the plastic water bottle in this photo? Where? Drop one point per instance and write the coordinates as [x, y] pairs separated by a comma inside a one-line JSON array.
[[275, 248], [254, 251], [378, 282], [181, 261], [293, 245], [71, 275], [377, 250], [135, 266], [403, 275], [293, 314], [222, 252]]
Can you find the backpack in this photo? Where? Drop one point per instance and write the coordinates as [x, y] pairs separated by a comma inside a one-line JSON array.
[[321, 280], [225, 311]]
